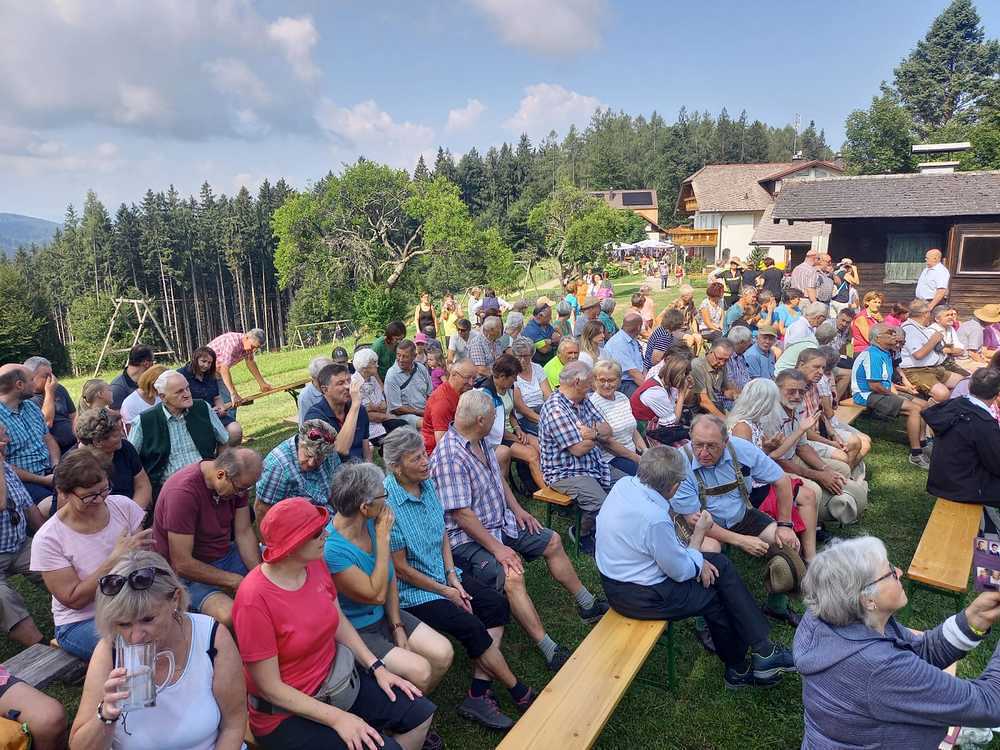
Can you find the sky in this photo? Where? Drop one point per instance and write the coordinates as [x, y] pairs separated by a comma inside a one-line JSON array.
[[119, 96]]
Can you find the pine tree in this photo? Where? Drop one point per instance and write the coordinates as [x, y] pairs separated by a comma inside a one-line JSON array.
[[444, 165], [471, 180], [421, 172], [879, 139], [756, 144]]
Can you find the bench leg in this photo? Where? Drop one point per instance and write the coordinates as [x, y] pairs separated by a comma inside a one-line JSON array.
[[548, 515], [579, 525], [671, 665]]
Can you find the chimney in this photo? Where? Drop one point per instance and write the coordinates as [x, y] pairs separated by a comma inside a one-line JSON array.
[[939, 167]]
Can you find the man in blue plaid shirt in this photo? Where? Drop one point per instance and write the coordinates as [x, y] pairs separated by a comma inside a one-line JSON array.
[[32, 451]]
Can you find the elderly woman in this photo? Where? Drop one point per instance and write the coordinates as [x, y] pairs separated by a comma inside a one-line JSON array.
[[710, 312], [380, 421], [867, 680], [521, 445], [142, 398], [81, 543], [623, 450], [564, 324], [357, 554], [301, 466], [101, 429], [592, 340], [95, 394], [312, 681], [511, 330], [200, 697], [204, 385], [531, 387]]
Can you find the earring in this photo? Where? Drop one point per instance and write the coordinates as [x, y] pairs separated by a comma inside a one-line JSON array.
[[177, 615]]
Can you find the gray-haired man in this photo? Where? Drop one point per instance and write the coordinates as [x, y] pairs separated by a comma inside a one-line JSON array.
[[231, 349], [54, 401], [311, 394]]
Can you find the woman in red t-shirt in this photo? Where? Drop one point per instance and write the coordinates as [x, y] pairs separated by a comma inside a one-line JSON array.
[[289, 626], [864, 321]]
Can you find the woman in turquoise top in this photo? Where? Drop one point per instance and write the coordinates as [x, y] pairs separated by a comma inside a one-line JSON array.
[[357, 554]]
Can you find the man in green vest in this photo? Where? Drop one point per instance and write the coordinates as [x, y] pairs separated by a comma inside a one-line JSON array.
[[176, 432]]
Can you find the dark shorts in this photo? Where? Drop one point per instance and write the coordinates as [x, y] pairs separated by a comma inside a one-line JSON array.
[[753, 523], [7, 681], [489, 610], [886, 405], [378, 636], [478, 562]]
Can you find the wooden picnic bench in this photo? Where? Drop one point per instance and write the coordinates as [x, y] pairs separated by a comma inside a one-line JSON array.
[[847, 411], [290, 388], [573, 708], [943, 558], [41, 665]]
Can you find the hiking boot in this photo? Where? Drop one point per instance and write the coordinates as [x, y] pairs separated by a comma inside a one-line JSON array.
[[485, 710], [525, 703], [594, 613], [920, 461], [736, 680], [560, 657], [774, 664]]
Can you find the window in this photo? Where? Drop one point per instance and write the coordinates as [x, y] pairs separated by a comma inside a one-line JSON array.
[[979, 254], [904, 256]]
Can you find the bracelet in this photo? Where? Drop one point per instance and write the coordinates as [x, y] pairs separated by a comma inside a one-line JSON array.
[[100, 715], [377, 664], [449, 571], [974, 629], [786, 525]]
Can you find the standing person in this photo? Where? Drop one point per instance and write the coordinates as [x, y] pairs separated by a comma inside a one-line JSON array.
[[140, 359], [231, 349], [203, 381], [864, 321], [449, 317], [424, 316], [804, 275], [54, 401], [341, 408], [385, 346], [648, 309], [664, 270], [407, 385], [732, 281], [475, 302], [32, 451], [824, 279], [932, 284], [845, 282], [772, 276]]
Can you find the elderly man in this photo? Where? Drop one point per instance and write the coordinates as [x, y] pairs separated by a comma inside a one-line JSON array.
[[813, 315], [760, 357], [607, 309], [650, 574], [202, 526], [824, 279], [341, 407], [571, 433], [54, 401], [846, 445], [177, 432], [541, 331], [441, 406], [944, 323], [625, 349], [748, 297], [407, 385], [932, 284], [32, 451], [490, 533], [923, 355], [311, 394], [140, 359], [590, 309], [385, 346], [804, 274], [567, 351], [231, 349], [301, 466], [737, 368], [484, 347], [872, 387], [710, 377]]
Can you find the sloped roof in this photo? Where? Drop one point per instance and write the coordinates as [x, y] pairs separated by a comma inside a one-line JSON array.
[[733, 187], [895, 195], [783, 233], [630, 199]]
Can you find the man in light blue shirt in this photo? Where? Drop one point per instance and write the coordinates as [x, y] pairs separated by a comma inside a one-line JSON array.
[[311, 394], [624, 348], [649, 574], [760, 357]]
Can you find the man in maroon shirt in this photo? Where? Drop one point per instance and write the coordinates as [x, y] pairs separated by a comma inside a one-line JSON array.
[[443, 401], [199, 510]]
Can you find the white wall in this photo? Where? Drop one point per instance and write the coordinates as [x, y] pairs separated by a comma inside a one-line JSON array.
[[736, 231]]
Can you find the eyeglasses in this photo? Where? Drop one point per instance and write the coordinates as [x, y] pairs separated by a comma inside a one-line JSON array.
[[893, 573], [794, 391], [138, 580], [706, 446], [606, 381], [383, 496], [315, 434], [88, 499], [239, 489]]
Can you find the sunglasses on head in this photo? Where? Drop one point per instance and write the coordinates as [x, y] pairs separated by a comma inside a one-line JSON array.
[[315, 434], [138, 580]]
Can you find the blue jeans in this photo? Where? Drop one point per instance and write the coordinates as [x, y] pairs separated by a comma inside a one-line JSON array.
[[231, 562], [78, 638], [627, 465], [528, 426]]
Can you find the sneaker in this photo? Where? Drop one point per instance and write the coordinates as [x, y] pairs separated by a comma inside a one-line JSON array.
[[774, 664], [560, 657], [596, 612], [588, 545], [525, 703], [485, 710], [433, 741], [920, 461], [705, 639], [736, 680]]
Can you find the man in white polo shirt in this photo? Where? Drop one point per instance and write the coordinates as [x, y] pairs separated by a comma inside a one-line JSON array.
[[932, 286]]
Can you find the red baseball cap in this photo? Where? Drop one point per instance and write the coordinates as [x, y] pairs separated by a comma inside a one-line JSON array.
[[288, 525]]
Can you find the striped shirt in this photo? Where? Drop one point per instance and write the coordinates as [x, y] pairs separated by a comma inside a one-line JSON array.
[[659, 341], [558, 431], [482, 351], [419, 529], [617, 412], [183, 451], [26, 430], [12, 536], [282, 476], [872, 364]]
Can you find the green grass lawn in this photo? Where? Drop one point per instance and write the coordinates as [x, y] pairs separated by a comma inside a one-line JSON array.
[[700, 713]]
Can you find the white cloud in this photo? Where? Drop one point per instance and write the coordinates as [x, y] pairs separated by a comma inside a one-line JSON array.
[[27, 153], [297, 37], [552, 27], [366, 130], [465, 117], [549, 106], [138, 105], [234, 78]]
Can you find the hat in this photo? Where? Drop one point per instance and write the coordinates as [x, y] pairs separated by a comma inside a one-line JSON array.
[[543, 300], [846, 262], [288, 525], [766, 330], [339, 353], [783, 572], [420, 338], [735, 260], [590, 302], [988, 313]]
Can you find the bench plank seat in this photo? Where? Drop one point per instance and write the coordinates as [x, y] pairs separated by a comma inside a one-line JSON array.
[[40, 665], [848, 411], [943, 558], [574, 707], [553, 497]]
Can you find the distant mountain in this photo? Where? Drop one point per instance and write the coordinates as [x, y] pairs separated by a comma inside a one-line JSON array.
[[17, 230]]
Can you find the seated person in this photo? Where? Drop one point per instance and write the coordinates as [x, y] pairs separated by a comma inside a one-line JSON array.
[[622, 450], [516, 444], [571, 434], [567, 351], [860, 666], [737, 369], [380, 421], [788, 311], [829, 401], [923, 355], [301, 466], [844, 447], [143, 398], [944, 322], [441, 405], [201, 524], [31, 450], [177, 433], [814, 314], [407, 385], [710, 378], [760, 357], [748, 297], [43, 714], [490, 533], [660, 401], [531, 387], [141, 594], [311, 394], [649, 574], [541, 331], [357, 554], [341, 408], [862, 324], [662, 338], [607, 308], [290, 627], [95, 394], [980, 334], [204, 384], [432, 589], [484, 346], [625, 349], [101, 429], [965, 464], [140, 359], [55, 402], [459, 341], [872, 387], [80, 543]]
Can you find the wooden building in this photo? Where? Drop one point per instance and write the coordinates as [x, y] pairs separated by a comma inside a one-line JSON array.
[[886, 223]]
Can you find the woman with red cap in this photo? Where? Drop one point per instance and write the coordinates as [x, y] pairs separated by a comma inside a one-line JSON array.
[[312, 682]]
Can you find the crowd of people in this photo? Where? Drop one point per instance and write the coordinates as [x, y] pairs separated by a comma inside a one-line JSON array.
[[317, 590]]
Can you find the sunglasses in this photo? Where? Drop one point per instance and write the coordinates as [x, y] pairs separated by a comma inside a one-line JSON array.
[[138, 580], [893, 573], [315, 434]]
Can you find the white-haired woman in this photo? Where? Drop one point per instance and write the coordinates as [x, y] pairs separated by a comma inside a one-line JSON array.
[[380, 421], [624, 450], [867, 680], [144, 397], [531, 386], [512, 328], [200, 698], [756, 416]]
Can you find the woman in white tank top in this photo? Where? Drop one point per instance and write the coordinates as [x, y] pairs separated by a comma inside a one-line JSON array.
[[202, 702]]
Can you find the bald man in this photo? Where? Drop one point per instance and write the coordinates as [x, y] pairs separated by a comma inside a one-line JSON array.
[[625, 349], [932, 286]]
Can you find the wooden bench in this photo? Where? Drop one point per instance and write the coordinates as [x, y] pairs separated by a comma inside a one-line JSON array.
[[41, 665], [554, 498], [943, 558], [291, 389], [574, 707], [848, 411]]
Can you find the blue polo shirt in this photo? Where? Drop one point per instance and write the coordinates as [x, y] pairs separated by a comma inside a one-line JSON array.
[[626, 351], [872, 364], [419, 529], [537, 332], [321, 410]]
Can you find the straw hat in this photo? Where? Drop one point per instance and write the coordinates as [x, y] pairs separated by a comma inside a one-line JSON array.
[[784, 570], [988, 313]]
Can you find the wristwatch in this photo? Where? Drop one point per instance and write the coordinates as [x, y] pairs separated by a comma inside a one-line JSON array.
[[377, 664], [100, 716], [786, 525]]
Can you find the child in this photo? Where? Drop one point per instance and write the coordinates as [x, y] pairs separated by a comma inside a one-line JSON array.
[[420, 340], [435, 363]]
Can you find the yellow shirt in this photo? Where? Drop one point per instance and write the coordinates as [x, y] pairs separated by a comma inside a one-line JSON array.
[[449, 319], [552, 369]]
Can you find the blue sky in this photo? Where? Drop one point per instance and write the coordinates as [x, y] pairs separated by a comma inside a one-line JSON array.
[[129, 95]]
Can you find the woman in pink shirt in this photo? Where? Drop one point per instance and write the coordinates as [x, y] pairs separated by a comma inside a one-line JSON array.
[[898, 316], [864, 321]]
